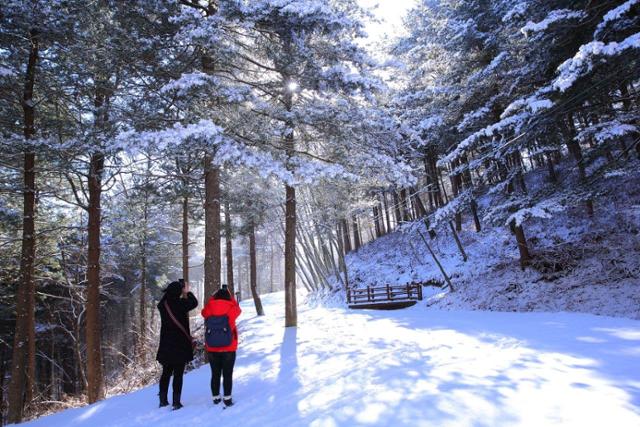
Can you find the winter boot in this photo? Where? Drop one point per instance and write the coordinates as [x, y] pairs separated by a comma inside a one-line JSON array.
[[217, 400], [163, 400], [176, 401], [227, 401]]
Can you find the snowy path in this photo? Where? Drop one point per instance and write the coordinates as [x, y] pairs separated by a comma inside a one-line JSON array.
[[411, 367]]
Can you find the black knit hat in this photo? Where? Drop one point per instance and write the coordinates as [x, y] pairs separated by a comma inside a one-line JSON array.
[[174, 289], [223, 293]]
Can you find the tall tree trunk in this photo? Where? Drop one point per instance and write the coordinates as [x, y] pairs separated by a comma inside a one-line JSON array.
[[357, 242], [396, 206], [21, 372], [228, 246], [238, 281], [420, 209], [456, 182], [553, 177], [404, 208], [474, 211], [444, 190], [185, 238], [3, 374], [80, 372], [576, 152], [290, 258], [254, 272], [291, 310], [376, 222], [386, 212], [93, 326], [626, 102], [271, 264], [521, 240], [142, 351], [24, 346], [433, 177], [383, 227], [345, 236], [212, 262], [53, 379], [519, 164]]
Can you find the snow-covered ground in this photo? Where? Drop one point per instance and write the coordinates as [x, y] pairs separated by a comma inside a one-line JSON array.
[[580, 264], [411, 367]]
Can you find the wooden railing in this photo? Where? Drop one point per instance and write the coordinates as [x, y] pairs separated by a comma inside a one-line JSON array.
[[380, 294]]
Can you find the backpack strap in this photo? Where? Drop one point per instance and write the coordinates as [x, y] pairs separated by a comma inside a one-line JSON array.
[[175, 321]]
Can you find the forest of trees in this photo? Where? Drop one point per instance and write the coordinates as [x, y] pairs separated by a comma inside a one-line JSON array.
[[136, 136]]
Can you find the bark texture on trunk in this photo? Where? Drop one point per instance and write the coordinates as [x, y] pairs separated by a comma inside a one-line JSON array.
[[456, 184], [432, 178], [420, 208], [24, 346], [291, 308], [20, 380], [212, 262], [386, 212], [576, 152], [271, 289], [383, 227], [185, 238], [474, 212], [254, 272], [346, 240], [93, 326], [553, 177], [228, 247], [142, 351], [356, 233], [376, 222], [521, 240], [404, 205], [291, 314]]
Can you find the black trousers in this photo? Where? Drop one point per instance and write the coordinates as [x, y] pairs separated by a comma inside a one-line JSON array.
[[222, 365], [177, 370]]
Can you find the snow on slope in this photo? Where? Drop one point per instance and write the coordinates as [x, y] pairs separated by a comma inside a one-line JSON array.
[[408, 367], [581, 264]]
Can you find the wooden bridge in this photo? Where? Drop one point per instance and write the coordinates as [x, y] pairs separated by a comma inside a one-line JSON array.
[[388, 297]]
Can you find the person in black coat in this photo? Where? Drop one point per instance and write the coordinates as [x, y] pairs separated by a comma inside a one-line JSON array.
[[175, 349]]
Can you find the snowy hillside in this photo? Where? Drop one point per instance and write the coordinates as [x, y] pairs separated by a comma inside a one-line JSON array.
[[580, 264], [409, 367]]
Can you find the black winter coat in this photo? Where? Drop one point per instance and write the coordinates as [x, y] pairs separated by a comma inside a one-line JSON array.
[[175, 348]]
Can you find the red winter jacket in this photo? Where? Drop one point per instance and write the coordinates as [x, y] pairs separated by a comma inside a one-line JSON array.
[[220, 307]]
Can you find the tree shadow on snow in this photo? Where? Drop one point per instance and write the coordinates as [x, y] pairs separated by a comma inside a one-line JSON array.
[[497, 369]]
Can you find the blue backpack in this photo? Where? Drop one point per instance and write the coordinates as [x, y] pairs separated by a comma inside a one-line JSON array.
[[217, 331]]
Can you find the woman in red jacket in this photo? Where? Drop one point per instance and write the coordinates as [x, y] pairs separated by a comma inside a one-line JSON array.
[[222, 359]]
